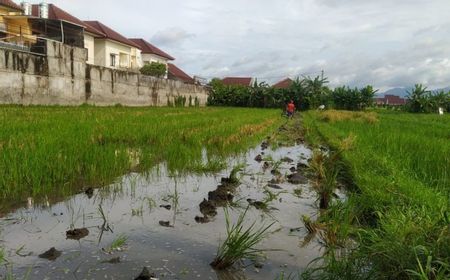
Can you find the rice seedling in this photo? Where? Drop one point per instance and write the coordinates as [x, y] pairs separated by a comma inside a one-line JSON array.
[[240, 243], [2, 256], [325, 169], [118, 243], [45, 152], [399, 199]]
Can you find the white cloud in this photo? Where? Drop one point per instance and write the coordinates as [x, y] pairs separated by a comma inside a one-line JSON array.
[[386, 43], [171, 36]]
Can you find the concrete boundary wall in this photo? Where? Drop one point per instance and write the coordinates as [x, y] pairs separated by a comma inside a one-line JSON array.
[[63, 77]]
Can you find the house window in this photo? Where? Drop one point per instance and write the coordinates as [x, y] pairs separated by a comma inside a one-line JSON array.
[[113, 60]]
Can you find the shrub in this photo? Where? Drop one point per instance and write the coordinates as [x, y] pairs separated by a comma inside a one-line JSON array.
[[154, 69]]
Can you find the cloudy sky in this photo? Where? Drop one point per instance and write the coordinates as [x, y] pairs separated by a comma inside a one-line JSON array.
[[387, 43]]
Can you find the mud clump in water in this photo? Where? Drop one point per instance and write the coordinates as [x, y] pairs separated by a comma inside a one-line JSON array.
[[77, 234], [202, 220], [258, 158], [51, 254], [167, 207], [89, 192], [220, 197], [287, 159], [297, 179], [113, 260], [165, 224], [208, 208], [274, 186], [264, 145], [145, 275]]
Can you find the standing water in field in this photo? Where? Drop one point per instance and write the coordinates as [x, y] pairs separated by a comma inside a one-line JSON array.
[[155, 221]]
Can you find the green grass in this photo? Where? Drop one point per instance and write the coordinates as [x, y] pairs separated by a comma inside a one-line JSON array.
[[398, 207], [56, 151], [118, 243], [240, 242]]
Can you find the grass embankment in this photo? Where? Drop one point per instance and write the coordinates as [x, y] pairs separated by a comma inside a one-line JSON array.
[[54, 151], [398, 209]]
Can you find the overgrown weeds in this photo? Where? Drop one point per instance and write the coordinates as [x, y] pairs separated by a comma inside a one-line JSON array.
[[240, 243], [325, 169], [395, 222]]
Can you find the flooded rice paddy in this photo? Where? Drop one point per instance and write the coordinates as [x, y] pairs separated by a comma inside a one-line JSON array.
[[154, 221]]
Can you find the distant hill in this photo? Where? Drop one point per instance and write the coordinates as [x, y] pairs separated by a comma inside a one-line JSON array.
[[403, 91]]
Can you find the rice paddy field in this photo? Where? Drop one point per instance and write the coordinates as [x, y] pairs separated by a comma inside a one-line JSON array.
[[398, 166], [113, 190], [47, 152]]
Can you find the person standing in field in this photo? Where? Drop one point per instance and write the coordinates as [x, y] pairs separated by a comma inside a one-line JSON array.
[[290, 109]]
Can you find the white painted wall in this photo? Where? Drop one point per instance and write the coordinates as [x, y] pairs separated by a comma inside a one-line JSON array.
[[126, 56], [100, 52], [90, 46], [149, 58]]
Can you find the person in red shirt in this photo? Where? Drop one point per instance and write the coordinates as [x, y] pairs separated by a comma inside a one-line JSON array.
[[290, 109]]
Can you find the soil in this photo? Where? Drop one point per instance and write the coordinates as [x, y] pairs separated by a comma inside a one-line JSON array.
[[51, 255], [297, 179], [145, 275], [77, 234]]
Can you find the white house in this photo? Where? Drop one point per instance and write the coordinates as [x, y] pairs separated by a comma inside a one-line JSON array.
[[113, 49], [150, 53]]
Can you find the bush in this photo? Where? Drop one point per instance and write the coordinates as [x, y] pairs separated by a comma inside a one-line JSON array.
[[154, 69]]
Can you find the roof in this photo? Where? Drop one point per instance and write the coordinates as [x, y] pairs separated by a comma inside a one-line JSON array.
[[286, 83], [148, 48], [243, 81], [175, 72], [389, 99], [10, 4], [57, 13], [108, 33]]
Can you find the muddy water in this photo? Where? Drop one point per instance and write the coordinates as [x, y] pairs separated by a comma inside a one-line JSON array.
[[131, 207]]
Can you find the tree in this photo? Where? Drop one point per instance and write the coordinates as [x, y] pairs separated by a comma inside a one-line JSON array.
[[154, 69]]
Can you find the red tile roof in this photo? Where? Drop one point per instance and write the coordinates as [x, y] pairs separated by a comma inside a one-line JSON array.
[[284, 84], [10, 4], [390, 100], [178, 74], [111, 34], [148, 48], [243, 81], [55, 12]]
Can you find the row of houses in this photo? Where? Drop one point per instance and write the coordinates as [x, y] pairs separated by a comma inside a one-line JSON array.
[[25, 26]]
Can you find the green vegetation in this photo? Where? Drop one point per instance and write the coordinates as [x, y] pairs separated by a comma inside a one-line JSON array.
[[240, 243], [2, 256], [56, 151], [307, 93], [154, 69], [118, 243], [421, 100], [395, 223]]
